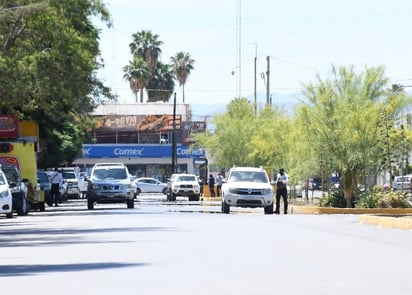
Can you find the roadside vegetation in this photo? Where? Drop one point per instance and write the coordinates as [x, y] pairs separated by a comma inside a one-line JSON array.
[[48, 62], [350, 123]]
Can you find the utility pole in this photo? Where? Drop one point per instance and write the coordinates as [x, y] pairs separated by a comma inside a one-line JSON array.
[[174, 158], [255, 82], [267, 81]]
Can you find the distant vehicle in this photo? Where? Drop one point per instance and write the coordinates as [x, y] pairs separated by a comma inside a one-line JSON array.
[[402, 183], [150, 185], [110, 183], [6, 198], [247, 187], [18, 189], [186, 185], [315, 183], [71, 179]]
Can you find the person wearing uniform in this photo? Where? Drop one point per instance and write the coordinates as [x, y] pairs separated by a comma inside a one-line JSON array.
[[56, 180], [282, 180]]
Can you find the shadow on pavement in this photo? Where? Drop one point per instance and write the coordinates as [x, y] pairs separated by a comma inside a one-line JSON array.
[[36, 269]]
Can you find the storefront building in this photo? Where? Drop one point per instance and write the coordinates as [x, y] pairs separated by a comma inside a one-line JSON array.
[[140, 136]]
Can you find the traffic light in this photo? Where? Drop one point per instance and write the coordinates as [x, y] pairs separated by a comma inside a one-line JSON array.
[[6, 147]]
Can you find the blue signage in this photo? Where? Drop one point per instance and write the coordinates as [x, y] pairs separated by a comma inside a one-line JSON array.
[[138, 151]]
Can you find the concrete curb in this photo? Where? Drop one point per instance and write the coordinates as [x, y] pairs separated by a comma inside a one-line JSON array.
[[386, 221], [381, 217], [328, 210]]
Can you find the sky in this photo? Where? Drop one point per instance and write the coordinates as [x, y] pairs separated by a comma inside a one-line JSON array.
[[301, 38]]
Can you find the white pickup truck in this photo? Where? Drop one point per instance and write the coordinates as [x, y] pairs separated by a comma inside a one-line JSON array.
[[186, 185]]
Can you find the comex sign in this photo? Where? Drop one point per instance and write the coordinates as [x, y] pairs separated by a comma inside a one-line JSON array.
[[138, 151]]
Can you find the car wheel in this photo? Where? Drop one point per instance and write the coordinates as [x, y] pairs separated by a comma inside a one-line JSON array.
[[23, 208], [90, 204], [196, 198], [269, 209], [173, 197], [9, 215], [130, 204], [225, 207], [164, 191], [138, 191]]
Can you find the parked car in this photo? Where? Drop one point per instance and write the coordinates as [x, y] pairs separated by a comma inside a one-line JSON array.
[[402, 183], [18, 189], [150, 185], [110, 183], [247, 187], [6, 198], [186, 185]]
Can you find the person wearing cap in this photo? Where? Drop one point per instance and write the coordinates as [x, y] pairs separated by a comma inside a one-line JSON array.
[[282, 191]]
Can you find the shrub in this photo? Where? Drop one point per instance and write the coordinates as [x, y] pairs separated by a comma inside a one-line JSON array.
[[335, 199], [382, 199]]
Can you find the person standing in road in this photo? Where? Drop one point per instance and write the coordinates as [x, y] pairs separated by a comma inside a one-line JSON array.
[[211, 182], [219, 179], [282, 180], [56, 179]]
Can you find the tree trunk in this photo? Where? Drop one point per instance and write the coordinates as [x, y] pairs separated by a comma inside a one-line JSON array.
[[141, 95], [183, 89]]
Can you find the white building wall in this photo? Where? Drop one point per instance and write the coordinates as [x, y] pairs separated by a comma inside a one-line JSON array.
[[143, 109]]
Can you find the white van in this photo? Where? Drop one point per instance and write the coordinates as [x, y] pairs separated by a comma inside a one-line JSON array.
[[402, 183]]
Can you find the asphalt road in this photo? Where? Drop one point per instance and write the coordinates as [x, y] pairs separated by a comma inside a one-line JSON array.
[[191, 248]]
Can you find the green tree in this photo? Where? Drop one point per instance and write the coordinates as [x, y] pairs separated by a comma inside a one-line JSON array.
[[48, 69], [137, 73], [342, 117], [162, 84], [182, 64], [146, 45], [230, 143]]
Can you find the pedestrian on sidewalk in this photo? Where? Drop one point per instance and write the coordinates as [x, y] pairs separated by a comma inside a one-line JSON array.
[[219, 180], [211, 183]]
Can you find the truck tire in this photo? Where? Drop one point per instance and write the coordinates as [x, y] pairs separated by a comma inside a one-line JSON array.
[[23, 208], [130, 204], [9, 215], [225, 207], [90, 204], [269, 209]]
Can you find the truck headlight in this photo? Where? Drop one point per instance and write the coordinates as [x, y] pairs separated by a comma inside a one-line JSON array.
[[267, 191], [4, 194], [95, 186]]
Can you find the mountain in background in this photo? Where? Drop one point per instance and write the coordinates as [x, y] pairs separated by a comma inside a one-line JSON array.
[[201, 112]]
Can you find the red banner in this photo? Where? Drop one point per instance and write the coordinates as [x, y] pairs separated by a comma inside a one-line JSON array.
[[9, 126]]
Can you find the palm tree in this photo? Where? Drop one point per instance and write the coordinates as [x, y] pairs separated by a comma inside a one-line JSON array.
[[162, 84], [146, 45], [137, 73], [182, 64]]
